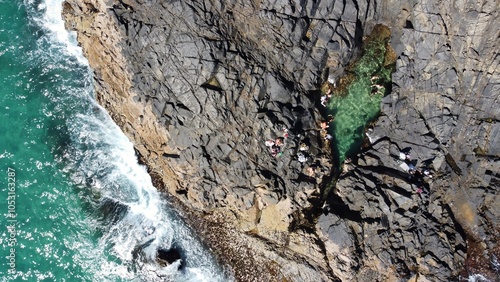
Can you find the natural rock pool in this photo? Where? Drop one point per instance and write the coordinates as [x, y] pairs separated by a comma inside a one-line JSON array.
[[355, 100]]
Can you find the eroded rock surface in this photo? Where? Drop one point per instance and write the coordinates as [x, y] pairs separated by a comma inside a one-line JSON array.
[[199, 86], [445, 106]]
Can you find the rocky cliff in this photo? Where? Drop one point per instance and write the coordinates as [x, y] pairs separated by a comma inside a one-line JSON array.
[[200, 86], [445, 107]]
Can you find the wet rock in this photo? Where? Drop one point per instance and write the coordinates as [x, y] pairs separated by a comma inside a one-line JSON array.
[[112, 211], [166, 257]]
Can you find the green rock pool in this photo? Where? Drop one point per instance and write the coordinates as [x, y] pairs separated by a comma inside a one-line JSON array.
[[356, 99]]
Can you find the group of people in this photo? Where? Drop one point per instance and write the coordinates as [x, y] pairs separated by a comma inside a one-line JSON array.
[[375, 87], [416, 175], [275, 146], [324, 125], [326, 97]]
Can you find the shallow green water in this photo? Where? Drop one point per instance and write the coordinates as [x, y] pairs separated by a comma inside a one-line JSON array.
[[360, 103], [75, 205]]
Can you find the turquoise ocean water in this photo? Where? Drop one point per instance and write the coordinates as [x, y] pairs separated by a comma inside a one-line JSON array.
[[76, 206]]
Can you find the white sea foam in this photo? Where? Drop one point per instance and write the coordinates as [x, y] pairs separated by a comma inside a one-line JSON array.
[[52, 22], [99, 150]]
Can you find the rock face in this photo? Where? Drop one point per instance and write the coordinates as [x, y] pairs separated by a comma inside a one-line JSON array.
[[444, 106], [200, 86]]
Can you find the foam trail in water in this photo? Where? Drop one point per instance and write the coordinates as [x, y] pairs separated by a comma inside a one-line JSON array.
[[100, 160], [52, 21]]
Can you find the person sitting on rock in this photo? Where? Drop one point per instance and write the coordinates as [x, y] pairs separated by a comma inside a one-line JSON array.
[[301, 157], [405, 156], [324, 125], [303, 147], [274, 146], [279, 141], [313, 168], [411, 168], [275, 150], [377, 89], [285, 132], [406, 151], [402, 156], [332, 81], [310, 171], [269, 143], [324, 100]]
